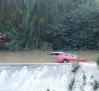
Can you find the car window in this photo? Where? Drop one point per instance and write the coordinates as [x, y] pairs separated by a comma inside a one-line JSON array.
[[75, 56], [69, 55], [56, 53]]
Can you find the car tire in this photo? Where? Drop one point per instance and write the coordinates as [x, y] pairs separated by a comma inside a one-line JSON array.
[[65, 61]]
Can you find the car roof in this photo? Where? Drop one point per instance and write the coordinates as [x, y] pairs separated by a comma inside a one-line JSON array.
[[69, 53]]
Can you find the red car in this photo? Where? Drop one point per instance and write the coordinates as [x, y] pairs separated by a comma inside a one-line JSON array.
[[68, 58]]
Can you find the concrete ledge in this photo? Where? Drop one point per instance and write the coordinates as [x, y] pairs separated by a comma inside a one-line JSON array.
[[47, 64]]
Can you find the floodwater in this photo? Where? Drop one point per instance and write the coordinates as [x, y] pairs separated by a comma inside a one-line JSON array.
[[42, 57]]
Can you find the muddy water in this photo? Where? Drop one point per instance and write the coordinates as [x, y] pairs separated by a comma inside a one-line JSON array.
[[41, 57]]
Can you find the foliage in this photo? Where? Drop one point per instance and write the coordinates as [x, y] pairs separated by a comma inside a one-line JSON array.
[[2, 46], [84, 79], [96, 85], [44, 24], [97, 60], [75, 66], [71, 84]]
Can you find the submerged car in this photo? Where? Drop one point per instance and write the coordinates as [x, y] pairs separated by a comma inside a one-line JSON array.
[[56, 53], [66, 58]]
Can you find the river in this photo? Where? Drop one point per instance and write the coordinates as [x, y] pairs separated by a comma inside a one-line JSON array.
[[41, 57]]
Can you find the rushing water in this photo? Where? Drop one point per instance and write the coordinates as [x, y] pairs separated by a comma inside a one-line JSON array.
[[41, 57], [47, 77]]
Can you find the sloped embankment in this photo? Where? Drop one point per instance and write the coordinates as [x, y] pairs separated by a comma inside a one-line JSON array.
[[49, 77]]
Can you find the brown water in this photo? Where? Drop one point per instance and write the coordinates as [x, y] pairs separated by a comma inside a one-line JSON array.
[[41, 57]]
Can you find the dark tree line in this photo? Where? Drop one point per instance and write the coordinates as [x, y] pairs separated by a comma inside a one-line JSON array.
[[50, 24]]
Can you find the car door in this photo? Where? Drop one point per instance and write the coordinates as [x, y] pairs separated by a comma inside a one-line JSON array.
[[70, 57]]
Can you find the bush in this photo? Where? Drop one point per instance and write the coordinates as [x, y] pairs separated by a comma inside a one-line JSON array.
[[96, 85], [75, 66], [71, 84], [97, 60], [2, 46]]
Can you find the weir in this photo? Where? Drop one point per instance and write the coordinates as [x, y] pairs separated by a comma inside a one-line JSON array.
[[48, 77]]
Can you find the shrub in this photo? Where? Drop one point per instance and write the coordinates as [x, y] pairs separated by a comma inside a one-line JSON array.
[[71, 84], [75, 66], [2, 46], [84, 79], [97, 60], [96, 85]]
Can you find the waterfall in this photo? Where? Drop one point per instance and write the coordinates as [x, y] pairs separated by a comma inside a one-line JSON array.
[[48, 77]]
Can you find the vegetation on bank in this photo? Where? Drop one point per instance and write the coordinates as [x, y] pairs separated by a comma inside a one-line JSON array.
[[71, 84], [96, 85], [97, 60], [50, 24], [75, 66]]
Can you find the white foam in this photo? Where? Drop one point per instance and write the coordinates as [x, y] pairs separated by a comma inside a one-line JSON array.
[[55, 77]]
